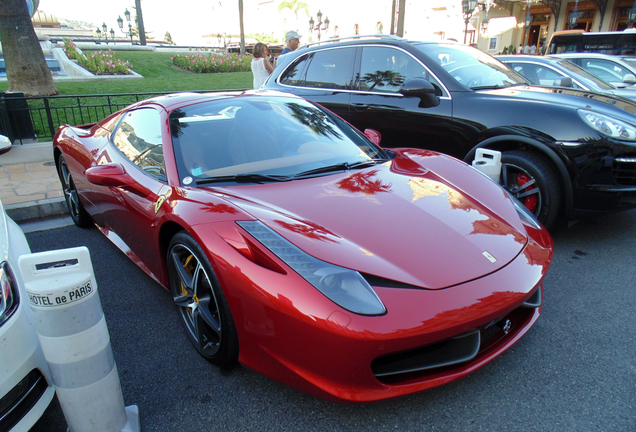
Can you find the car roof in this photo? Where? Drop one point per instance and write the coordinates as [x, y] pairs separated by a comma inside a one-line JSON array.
[[368, 39], [527, 58], [583, 54], [173, 101]]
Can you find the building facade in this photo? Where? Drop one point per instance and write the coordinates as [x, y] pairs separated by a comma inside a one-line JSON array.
[[499, 24]]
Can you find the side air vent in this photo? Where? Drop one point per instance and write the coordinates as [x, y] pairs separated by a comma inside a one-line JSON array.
[[449, 352]]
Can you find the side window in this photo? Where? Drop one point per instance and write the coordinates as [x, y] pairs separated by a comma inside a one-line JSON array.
[[293, 74], [386, 69], [607, 67], [526, 70], [331, 68], [138, 137], [548, 76]]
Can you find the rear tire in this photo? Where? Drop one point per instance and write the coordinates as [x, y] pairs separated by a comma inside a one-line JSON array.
[[76, 209], [533, 181]]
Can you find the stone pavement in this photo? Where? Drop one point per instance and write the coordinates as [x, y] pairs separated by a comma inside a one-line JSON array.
[[29, 186]]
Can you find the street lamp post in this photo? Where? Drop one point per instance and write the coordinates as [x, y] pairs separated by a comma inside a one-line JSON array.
[[468, 7], [319, 24], [105, 31], [574, 15], [484, 25], [120, 23], [98, 32], [631, 15]]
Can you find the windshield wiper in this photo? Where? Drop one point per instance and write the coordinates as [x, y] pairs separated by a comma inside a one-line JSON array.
[[505, 84], [244, 178], [343, 166]]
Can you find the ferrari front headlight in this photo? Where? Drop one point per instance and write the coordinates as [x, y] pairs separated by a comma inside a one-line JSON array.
[[609, 126], [345, 287]]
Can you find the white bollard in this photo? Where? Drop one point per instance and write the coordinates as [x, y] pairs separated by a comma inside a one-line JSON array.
[[72, 331], [488, 162]]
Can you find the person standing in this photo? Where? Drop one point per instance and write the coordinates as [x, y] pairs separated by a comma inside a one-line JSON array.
[[261, 66], [292, 38]]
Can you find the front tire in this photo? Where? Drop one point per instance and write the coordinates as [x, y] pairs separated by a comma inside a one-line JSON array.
[[200, 302], [76, 209], [532, 180]]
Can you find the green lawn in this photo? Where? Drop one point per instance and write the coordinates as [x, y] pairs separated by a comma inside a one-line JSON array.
[[159, 76]]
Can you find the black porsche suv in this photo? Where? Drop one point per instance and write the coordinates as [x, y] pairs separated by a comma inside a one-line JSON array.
[[565, 152]]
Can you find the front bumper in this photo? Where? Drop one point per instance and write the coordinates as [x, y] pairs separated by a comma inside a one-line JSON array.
[[604, 176], [314, 346], [26, 387]]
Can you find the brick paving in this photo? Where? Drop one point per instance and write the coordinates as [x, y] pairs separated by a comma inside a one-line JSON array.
[[29, 182], [30, 189]]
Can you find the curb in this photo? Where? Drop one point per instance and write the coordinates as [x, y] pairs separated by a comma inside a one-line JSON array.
[[37, 210]]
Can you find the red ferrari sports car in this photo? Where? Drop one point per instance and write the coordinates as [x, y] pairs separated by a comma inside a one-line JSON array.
[[296, 245]]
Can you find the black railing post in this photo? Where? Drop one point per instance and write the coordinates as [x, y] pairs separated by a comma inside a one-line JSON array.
[[5, 124], [79, 105], [20, 120], [49, 117]]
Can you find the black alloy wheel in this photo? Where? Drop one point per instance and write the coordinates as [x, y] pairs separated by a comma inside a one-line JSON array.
[[76, 209], [200, 302], [534, 183]]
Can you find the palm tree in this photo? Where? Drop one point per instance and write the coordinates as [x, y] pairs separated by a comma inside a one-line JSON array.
[[241, 26], [26, 66], [294, 6], [140, 23]]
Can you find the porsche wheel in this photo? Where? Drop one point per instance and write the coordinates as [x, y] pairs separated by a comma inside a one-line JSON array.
[[200, 302], [533, 182], [75, 207]]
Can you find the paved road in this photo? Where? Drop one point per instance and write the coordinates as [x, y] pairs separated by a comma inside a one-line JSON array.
[[574, 371]]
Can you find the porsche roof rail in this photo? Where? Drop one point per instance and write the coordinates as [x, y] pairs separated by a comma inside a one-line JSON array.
[[349, 38]]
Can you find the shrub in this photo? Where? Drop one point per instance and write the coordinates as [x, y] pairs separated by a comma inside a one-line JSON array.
[[213, 62], [99, 62]]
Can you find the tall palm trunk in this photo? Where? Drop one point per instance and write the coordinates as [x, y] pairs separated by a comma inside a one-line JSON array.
[[26, 66], [242, 29], [140, 23]]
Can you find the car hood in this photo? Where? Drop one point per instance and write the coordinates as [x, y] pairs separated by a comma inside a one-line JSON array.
[[624, 92], [564, 96], [399, 220]]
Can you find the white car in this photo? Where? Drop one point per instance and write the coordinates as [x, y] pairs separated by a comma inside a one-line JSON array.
[[612, 69], [5, 144], [26, 387]]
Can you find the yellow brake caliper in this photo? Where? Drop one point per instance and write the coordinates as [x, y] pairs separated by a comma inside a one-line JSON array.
[[186, 266]]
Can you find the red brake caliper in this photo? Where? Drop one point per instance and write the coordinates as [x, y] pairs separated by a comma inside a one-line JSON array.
[[529, 201]]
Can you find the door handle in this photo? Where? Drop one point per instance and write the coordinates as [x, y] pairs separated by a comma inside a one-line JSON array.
[[363, 106], [359, 106]]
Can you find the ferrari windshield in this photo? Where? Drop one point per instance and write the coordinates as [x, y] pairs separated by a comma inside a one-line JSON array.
[[471, 67], [264, 138]]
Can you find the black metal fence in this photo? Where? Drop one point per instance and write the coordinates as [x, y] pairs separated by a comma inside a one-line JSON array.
[[27, 119]]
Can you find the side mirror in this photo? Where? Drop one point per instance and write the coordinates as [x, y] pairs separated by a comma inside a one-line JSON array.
[[373, 135], [114, 175], [629, 79], [423, 89], [5, 144], [564, 82]]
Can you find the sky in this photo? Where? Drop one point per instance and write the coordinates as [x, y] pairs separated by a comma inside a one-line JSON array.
[[185, 22], [188, 20]]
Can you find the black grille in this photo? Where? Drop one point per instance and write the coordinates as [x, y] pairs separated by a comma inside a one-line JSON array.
[[624, 170], [451, 353], [21, 398]]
